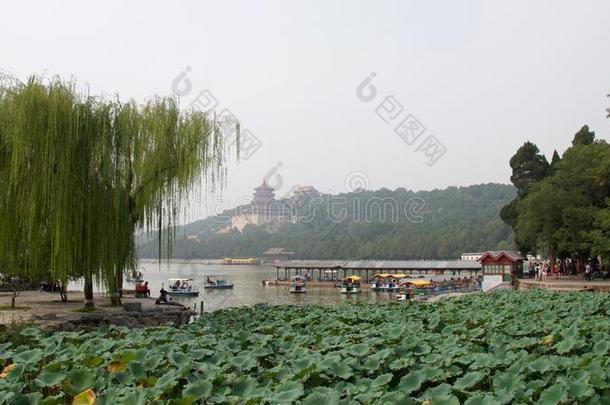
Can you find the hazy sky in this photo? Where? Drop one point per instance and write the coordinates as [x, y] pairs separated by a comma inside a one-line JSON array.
[[482, 77]]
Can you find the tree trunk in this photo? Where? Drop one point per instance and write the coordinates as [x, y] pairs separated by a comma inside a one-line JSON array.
[[63, 291], [119, 281], [553, 255], [115, 300], [89, 290], [115, 296], [116, 286]]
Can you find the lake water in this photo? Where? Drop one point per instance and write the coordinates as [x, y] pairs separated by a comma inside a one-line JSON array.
[[247, 290], [247, 286]]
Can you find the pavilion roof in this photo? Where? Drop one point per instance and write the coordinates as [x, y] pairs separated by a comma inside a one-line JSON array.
[[512, 255], [277, 251], [413, 264], [384, 264], [264, 186], [311, 264]]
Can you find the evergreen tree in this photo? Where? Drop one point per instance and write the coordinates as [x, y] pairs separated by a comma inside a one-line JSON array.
[[559, 212], [529, 166], [554, 161], [583, 137]]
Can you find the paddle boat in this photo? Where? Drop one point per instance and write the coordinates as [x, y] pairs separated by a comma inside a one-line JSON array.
[[391, 282], [298, 284], [182, 287], [351, 285], [217, 281], [378, 281], [408, 287]]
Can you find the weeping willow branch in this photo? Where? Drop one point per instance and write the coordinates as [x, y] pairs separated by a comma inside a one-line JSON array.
[[79, 175]]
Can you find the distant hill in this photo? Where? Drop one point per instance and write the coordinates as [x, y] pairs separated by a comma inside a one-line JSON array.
[[398, 224]]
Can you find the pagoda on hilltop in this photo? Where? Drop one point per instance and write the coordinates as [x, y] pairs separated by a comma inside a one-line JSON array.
[[263, 196], [264, 209]]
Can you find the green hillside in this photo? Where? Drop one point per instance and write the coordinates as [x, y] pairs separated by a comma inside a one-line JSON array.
[[398, 224]]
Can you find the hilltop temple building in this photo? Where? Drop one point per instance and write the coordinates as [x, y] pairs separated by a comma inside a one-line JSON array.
[[264, 209]]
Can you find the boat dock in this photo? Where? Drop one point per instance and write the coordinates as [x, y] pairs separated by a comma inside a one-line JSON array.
[[321, 271], [321, 283]]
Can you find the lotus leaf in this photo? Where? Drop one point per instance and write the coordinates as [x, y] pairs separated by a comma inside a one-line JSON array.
[[483, 348]]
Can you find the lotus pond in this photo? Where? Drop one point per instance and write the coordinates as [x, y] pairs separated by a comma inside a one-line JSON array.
[[504, 347]]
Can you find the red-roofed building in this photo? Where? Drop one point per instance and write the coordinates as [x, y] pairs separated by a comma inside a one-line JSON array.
[[500, 266]]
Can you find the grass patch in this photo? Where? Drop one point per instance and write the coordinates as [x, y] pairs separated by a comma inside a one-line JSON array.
[[17, 308]]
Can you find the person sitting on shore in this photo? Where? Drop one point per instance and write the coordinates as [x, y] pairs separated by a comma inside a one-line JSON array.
[[163, 298], [146, 289], [142, 290]]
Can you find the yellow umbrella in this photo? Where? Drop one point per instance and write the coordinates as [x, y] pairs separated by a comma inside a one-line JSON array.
[[418, 282]]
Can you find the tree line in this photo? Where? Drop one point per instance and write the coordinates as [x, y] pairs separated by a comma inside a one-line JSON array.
[[381, 224], [562, 208]]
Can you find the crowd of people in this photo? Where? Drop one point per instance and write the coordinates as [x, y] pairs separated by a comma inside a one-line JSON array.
[[588, 269]]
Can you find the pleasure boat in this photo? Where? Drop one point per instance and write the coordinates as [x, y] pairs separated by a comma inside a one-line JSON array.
[[298, 285], [408, 288], [182, 287], [218, 281], [351, 285]]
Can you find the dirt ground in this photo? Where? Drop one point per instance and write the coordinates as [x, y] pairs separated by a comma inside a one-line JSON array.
[[49, 306]]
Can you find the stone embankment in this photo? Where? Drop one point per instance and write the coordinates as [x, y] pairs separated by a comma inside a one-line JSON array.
[[49, 313], [565, 283], [132, 318]]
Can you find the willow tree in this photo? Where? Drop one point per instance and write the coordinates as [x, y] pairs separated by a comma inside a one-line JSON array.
[[81, 175]]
